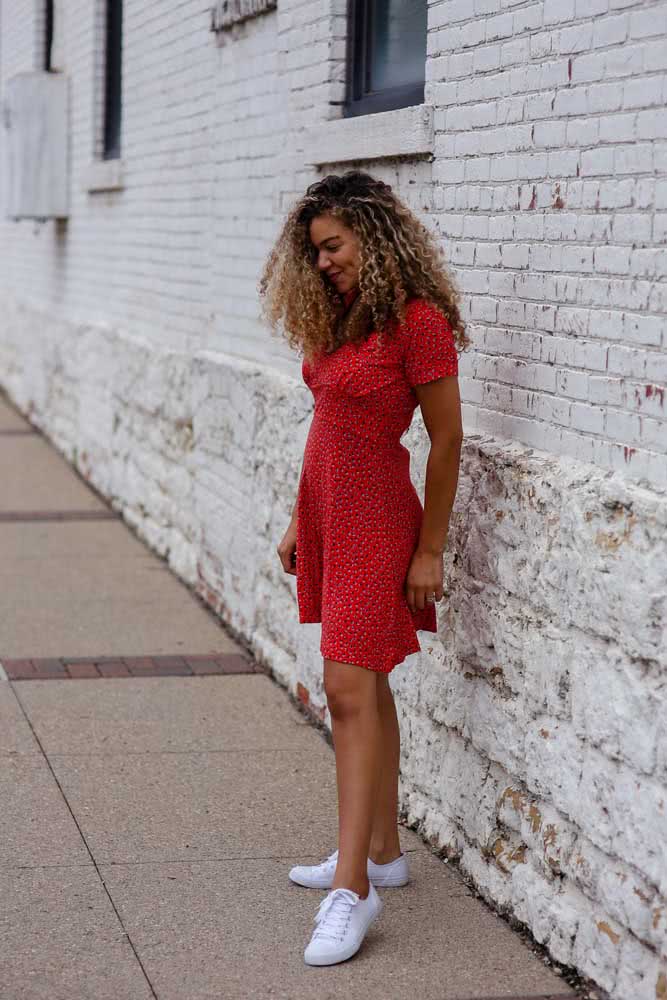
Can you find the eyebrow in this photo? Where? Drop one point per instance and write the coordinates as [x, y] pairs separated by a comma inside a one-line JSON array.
[[327, 238]]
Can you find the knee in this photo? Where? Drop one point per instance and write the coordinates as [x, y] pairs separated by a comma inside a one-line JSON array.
[[343, 701], [351, 690]]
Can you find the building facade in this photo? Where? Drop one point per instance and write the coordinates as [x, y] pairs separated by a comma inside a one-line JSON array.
[[531, 136]]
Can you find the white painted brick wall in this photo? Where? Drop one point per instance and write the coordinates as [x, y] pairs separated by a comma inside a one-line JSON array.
[[552, 129], [534, 737]]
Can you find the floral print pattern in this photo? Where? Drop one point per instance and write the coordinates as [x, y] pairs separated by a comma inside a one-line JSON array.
[[358, 513]]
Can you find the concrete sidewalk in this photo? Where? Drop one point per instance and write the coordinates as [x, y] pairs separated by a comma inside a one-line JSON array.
[[157, 787]]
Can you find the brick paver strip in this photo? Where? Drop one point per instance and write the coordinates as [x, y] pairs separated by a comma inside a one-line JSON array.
[[97, 667], [19, 430], [59, 515]]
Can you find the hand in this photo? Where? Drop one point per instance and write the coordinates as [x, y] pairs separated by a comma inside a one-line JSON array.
[[287, 549], [425, 576]]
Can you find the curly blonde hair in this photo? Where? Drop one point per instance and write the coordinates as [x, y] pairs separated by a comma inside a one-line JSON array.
[[399, 260]]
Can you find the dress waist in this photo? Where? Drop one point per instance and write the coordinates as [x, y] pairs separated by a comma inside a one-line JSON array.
[[357, 427]]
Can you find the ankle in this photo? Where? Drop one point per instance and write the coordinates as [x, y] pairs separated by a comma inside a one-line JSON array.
[[359, 887], [381, 854]]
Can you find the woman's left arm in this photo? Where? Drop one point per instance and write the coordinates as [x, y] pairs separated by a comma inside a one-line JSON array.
[[441, 409]]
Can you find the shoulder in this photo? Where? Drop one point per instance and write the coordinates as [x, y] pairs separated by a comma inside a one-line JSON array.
[[422, 311], [428, 341], [425, 321]]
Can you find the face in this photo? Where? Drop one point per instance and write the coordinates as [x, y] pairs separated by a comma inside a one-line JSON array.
[[337, 252]]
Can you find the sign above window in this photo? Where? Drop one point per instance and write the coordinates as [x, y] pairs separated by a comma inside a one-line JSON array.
[[226, 13]]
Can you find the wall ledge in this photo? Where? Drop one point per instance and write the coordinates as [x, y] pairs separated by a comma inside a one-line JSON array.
[[104, 175], [403, 132]]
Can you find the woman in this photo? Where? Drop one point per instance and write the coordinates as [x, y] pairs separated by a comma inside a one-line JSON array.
[[357, 280]]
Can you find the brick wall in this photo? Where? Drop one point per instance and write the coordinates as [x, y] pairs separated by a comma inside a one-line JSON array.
[[549, 191]]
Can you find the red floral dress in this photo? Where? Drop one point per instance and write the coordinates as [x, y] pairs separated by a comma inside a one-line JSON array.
[[358, 513]]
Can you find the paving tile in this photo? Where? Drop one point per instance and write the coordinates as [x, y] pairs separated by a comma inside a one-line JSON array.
[[62, 940], [15, 733], [97, 589], [36, 827], [182, 806], [238, 712], [37, 477]]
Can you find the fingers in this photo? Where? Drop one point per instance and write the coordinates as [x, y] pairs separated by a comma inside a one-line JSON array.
[[417, 597], [287, 558]]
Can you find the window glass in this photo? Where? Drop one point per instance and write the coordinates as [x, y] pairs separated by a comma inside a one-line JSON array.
[[48, 34], [398, 43], [112, 90]]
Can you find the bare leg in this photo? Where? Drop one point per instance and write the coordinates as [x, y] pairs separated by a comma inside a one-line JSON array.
[[384, 843], [353, 704]]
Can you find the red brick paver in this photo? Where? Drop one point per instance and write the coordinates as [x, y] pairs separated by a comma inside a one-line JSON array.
[[97, 667], [58, 515]]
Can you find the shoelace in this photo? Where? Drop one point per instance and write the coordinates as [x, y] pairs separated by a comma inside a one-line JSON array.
[[333, 913]]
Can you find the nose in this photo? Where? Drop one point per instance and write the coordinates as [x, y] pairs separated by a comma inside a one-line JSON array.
[[323, 262]]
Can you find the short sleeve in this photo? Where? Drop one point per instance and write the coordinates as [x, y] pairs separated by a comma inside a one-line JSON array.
[[429, 345]]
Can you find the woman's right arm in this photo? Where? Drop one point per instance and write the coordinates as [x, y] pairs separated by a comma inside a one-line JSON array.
[[294, 509], [287, 547]]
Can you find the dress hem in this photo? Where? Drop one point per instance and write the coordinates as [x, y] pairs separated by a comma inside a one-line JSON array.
[[378, 669]]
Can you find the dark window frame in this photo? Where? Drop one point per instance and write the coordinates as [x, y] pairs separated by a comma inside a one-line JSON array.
[[357, 100], [113, 60]]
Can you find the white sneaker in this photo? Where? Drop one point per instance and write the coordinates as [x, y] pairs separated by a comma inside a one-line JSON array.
[[321, 876], [342, 919]]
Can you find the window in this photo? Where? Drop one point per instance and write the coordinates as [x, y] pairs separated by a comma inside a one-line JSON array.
[[386, 55], [112, 79], [48, 35]]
